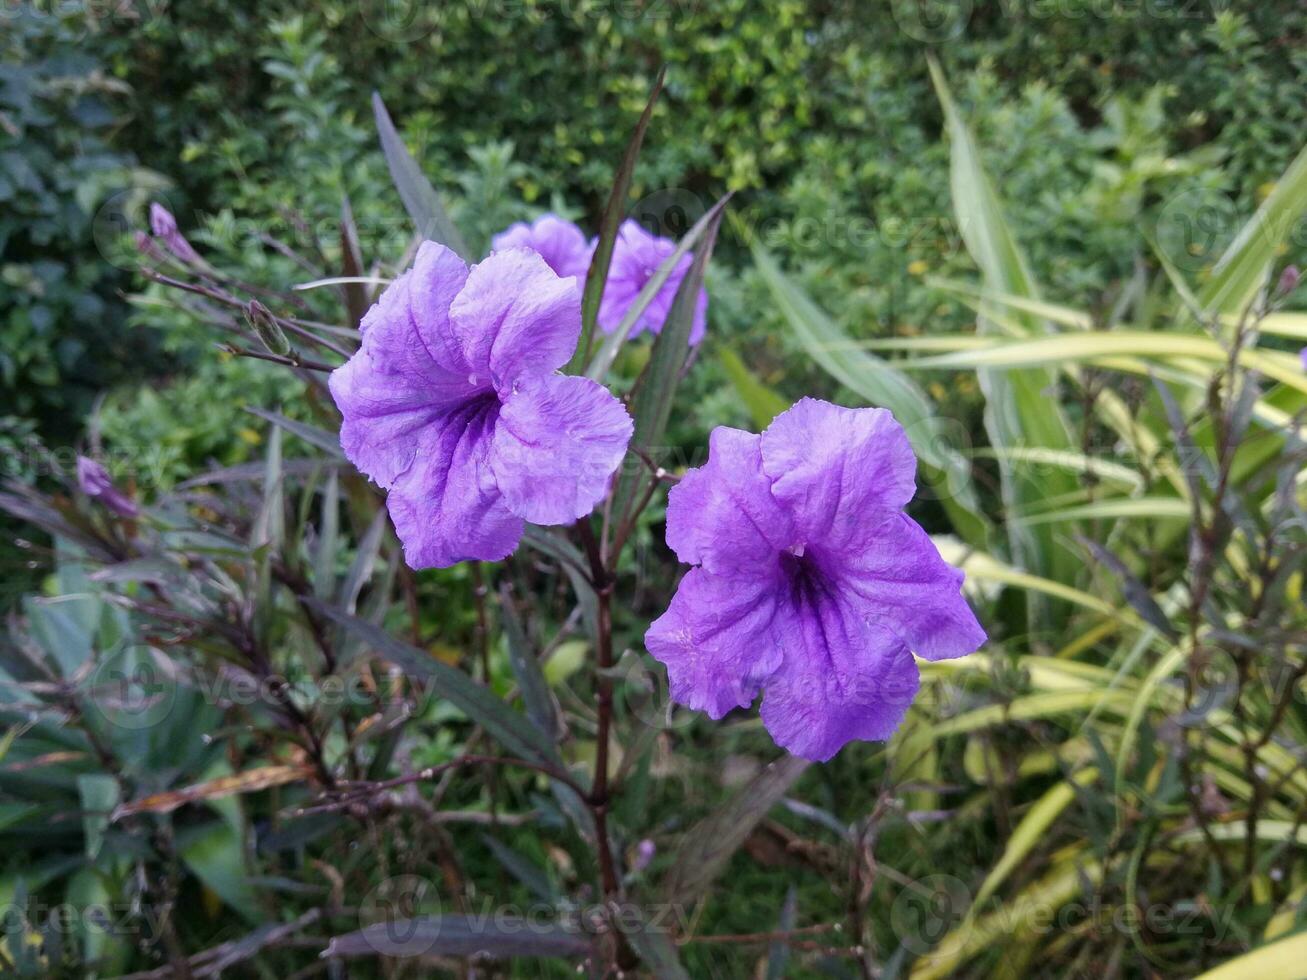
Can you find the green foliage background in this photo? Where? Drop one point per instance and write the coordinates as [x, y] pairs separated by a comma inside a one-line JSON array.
[[1102, 125]]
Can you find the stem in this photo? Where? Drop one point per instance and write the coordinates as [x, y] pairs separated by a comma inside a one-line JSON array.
[[599, 795]]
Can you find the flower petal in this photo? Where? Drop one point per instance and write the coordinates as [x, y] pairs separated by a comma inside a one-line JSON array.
[[722, 515], [556, 444], [446, 507], [407, 371], [829, 465], [717, 640], [515, 316], [382, 413], [437, 278], [560, 243], [900, 580], [842, 679], [637, 255]]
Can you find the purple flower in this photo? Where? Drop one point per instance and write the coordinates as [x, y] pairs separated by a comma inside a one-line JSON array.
[[453, 406], [164, 226], [1302, 356], [811, 582], [95, 483], [644, 854], [637, 254], [146, 246], [559, 242]]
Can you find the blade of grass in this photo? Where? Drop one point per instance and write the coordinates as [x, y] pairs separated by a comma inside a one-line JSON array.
[[420, 199], [612, 343], [597, 277]]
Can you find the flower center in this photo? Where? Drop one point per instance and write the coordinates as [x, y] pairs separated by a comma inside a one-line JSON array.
[[806, 580]]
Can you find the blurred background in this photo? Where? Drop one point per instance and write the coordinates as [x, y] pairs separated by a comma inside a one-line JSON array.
[[1133, 739]]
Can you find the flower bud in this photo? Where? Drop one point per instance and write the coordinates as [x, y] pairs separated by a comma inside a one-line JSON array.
[[1289, 280], [164, 226], [265, 326]]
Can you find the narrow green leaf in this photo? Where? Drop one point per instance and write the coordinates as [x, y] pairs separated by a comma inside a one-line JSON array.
[[515, 732], [612, 343], [522, 868], [215, 854], [1243, 268], [708, 845], [329, 442], [658, 953], [1143, 507], [656, 389], [778, 953], [597, 277], [536, 697], [324, 558], [1032, 829], [420, 199], [360, 570], [499, 935], [1021, 409], [351, 265], [98, 794]]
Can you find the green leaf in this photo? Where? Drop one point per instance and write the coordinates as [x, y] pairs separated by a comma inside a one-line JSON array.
[[763, 403], [1279, 959], [1243, 268], [1021, 408], [324, 558], [498, 935], [420, 199], [597, 277], [214, 853], [708, 845], [522, 868], [1144, 507], [567, 659], [98, 935], [1031, 831], [321, 438], [99, 794], [351, 266], [658, 953], [531, 680], [502, 723], [656, 389]]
